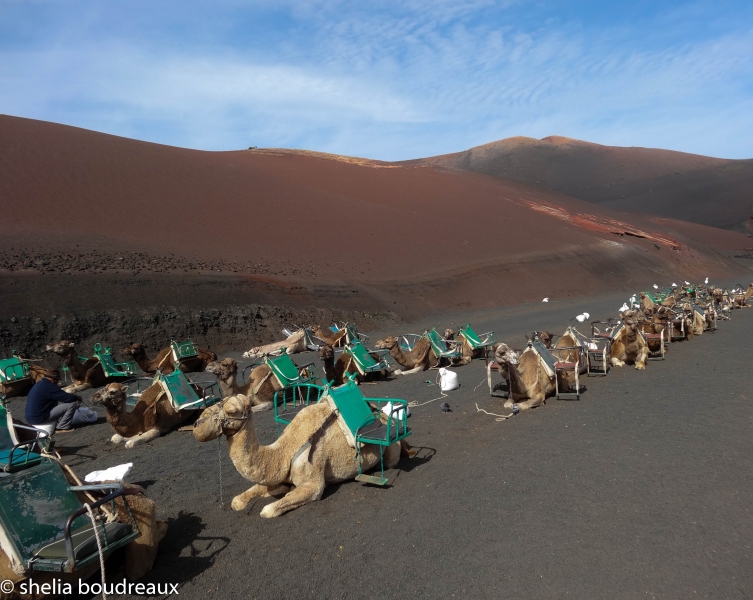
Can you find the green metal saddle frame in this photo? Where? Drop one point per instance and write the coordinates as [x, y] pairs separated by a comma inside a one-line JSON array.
[[363, 360], [184, 393], [44, 526], [183, 350], [109, 366], [362, 426], [13, 372], [478, 342], [15, 455], [440, 345], [297, 383]]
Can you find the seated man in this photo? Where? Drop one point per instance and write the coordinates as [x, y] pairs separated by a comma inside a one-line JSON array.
[[47, 403]]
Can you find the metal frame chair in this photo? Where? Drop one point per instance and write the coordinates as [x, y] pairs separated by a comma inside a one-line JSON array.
[[45, 527], [109, 366], [443, 348], [14, 455], [362, 426]]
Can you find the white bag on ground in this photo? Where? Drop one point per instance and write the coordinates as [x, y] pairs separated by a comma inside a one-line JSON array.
[[83, 416], [111, 474], [448, 380]]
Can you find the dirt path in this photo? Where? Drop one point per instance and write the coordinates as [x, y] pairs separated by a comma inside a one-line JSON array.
[[639, 490]]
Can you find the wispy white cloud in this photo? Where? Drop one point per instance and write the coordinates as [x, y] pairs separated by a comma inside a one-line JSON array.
[[394, 80]]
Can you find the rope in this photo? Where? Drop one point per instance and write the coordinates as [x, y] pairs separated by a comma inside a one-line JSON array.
[[499, 417], [219, 458], [414, 404], [99, 548], [56, 457]]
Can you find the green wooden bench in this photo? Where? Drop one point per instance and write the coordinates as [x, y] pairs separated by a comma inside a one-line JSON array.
[[45, 527], [364, 425]]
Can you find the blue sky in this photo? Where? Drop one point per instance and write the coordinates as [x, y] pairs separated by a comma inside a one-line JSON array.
[[385, 79]]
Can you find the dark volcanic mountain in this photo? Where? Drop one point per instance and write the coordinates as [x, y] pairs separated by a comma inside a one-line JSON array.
[[712, 191]]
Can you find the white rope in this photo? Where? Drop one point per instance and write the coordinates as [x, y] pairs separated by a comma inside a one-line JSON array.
[[414, 404], [500, 417], [99, 548]]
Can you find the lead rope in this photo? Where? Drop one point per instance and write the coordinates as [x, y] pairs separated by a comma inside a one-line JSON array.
[[99, 548], [219, 459]]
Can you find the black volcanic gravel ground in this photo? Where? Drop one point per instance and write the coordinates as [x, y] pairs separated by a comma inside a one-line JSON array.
[[639, 490]]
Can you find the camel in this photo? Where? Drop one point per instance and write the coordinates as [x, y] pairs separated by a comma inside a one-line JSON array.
[[420, 358], [288, 463], [294, 344], [740, 300], [545, 337], [165, 362], [338, 371], [698, 321], [152, 416], [88, 374], [261, 385], [629, 346], [529, 381], [328, 336]]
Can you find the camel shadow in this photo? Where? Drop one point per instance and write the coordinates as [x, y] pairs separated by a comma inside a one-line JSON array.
[[145, 483], [423, 455], [176, 565]]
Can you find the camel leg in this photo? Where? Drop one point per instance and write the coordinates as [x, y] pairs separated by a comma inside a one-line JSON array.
[[417, 369], [117, 439], [262, 406], [77, 387], [616, 362], [257, 491], [303, 494], [142, 438], [640, 361]]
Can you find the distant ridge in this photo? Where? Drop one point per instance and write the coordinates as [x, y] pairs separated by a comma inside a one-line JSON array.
[[666, 183]]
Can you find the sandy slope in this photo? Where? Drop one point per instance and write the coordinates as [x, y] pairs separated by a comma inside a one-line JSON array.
[[684, 186], [103, 216]]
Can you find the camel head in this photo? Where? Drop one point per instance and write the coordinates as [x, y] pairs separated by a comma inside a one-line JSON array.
[[503, 354], [112, 395], [326, 352], [226, 418], [225, 369], [135, 350], [545, 337], [61, 348], [387, 343], [448, 334]]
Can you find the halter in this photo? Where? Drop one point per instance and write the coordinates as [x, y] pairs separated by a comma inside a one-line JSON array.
[[223, 421]]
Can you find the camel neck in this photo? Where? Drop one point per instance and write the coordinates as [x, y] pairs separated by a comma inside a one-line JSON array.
[[249, 458]]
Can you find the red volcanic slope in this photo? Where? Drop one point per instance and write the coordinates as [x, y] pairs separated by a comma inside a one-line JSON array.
[[342, 220], [711, 191]]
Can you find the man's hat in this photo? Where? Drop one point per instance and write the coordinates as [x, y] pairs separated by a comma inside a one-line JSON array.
[[54, 373]]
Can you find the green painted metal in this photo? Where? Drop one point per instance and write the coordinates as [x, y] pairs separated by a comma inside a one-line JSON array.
[[363, 360], [109, 366], [184, 350], [14, 456], [183, 395], [475, 340], [440, 348], [287, 372], [35, 506], [365, 424], [289, 401], [13, 369]]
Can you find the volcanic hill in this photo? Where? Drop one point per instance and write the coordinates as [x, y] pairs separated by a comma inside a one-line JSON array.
[[111, 239], [710, 191]]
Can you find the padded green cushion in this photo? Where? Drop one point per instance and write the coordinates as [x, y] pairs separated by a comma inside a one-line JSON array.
[[84, 541]]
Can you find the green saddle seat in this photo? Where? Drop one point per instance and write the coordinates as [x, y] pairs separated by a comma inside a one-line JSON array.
[[13, 369], [109, 366], [183, 350], [46, 528], [363, 360], [476, 341], [440, 345], [183, 395]]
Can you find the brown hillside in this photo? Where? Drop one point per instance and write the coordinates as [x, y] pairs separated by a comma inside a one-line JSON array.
[[104, 218], [712, 191]]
